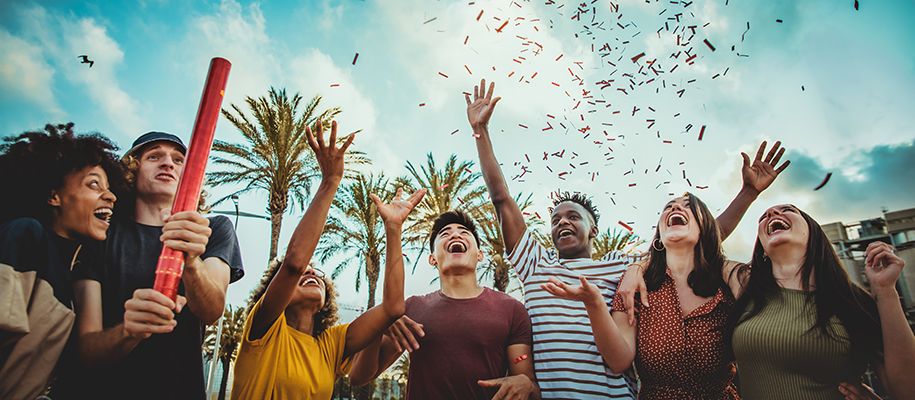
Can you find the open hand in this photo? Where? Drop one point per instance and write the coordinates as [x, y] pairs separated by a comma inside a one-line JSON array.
[[396, 212], [759, 174], [586, 292], [881, 265], [515, 387], [480, 109], [329, 156]]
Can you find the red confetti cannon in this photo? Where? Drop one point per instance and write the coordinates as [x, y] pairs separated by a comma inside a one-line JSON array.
[[171, 262]]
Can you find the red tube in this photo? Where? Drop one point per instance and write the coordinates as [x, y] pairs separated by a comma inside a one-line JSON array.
[[171, 262]]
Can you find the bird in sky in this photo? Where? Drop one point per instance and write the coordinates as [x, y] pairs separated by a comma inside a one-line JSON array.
[[86, 60]]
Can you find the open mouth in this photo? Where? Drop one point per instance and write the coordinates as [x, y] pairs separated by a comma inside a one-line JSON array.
[[676, 219], [165, 176], [103, 214], [565, 232], [457, 247], [777, 225], [309, 280]]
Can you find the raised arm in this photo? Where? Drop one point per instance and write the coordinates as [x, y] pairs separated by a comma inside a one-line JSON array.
[[757, 176], [882, 268], [304, 239], [371, 325], [614, 337], [478, 113]]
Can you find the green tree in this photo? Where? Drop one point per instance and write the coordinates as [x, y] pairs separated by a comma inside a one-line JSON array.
[[276, 157], [609, 241], [449, 188], [233, 327], [493, 245], [355, 230]]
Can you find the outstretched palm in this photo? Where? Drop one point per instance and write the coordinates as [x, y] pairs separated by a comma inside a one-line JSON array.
[[584, 293], [762, 172], [480, 109], [398, 210]]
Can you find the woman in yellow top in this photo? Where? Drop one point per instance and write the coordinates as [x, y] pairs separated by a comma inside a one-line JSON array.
[[288, 351]]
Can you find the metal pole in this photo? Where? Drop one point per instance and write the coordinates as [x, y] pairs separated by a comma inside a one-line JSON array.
[[212, 376]]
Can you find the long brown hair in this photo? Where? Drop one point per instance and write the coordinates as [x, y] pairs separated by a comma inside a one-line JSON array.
[[705, 279], [834, 295]]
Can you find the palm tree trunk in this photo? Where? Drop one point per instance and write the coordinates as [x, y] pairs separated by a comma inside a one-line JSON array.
[[276, 222], [500, 277], [225, 378], [371, 272]]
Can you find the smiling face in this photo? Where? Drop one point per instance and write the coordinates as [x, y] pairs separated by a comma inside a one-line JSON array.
[[83, 205], [311, 288], [678, 225], [455, 246], [780, 226], [572, 229], [160, 167]]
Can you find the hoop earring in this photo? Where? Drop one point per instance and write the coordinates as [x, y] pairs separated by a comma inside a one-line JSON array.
[[657, 243]]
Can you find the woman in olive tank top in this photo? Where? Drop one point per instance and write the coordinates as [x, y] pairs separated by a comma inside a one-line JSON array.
[[802, 327]]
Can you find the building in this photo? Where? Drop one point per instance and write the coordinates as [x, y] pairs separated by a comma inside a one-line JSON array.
[[896, 228]]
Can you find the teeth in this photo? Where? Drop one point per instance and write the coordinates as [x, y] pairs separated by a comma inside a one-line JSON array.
[[565, 232], [777, 225], [676, 219], [309, 280], [457, 247], [103, 214]]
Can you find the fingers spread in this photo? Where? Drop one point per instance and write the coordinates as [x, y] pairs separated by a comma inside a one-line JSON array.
[[761, 151], [782, 168]]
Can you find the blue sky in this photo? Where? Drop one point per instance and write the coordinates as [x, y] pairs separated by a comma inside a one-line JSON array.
[[852, 118]]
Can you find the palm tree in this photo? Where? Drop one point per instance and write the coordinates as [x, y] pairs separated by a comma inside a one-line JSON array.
[[493, 244], [449, 188], [355, 230], [233, 328], [276, 158], [608, 241]]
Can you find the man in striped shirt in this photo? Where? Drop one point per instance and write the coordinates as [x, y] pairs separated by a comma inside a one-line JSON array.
[[567, 362]]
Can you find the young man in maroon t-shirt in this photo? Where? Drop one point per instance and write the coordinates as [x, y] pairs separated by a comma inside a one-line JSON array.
[[471, 342]]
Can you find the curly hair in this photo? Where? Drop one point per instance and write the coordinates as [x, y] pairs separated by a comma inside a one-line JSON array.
[[130, 164], [325, 318], [579, 199], [36, 163]]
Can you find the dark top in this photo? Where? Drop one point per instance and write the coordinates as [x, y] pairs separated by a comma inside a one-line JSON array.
[[465, 341], [26, 245], [164, 366], [682, 357]]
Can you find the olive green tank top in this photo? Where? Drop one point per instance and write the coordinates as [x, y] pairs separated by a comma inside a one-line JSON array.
[[780, 357]]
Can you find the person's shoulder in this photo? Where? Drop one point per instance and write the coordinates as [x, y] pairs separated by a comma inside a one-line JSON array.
[[500, 296], [23, 226], [221, 221]]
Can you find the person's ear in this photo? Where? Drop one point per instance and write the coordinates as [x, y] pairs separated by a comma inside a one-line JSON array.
[[54, 199], [432, 260], [593, 232], [479, 255]]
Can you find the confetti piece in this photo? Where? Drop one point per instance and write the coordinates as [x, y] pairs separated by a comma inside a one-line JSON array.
[[455, 131], [826, 180], [422, 104], [522, 126], [778, 20], [701, 132], [480, 15], [708, 44], [443, 74], [335, 85], [355, 58], [433, 19], [636, 58], [856, 5], [465, 39], [557, 58], [629, 228], [503, 26], [443, 186], [468, 69], [468, 171]]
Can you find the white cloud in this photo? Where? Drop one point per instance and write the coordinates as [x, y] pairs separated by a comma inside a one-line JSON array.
[[64, 37], [25, 75]]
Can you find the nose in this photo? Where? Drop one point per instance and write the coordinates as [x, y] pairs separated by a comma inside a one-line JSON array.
[[167, 162], [676, 207], [110, 196]]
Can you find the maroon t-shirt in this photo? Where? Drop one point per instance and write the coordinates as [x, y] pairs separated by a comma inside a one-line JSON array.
[[465, 341]]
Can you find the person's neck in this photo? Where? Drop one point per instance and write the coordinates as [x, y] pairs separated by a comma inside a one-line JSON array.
[[680, 261], [149, 211], [787, 263], [301, 317], [460, 285], [580, 253]]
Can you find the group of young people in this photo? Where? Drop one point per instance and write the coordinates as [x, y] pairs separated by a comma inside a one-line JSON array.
[[688, 319]]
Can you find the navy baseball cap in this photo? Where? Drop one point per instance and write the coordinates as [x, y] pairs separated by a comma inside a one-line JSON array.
[[150, 137]]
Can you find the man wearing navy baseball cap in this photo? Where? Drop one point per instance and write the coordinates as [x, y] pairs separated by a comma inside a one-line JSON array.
[[133, 341]]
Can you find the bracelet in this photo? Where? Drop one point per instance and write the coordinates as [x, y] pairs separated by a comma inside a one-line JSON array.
[[519, 359]]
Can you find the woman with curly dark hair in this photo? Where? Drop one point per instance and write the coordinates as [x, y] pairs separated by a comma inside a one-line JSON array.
[[58, 197], [290, 349]]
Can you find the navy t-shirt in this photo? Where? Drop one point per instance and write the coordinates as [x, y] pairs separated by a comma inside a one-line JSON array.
[[163, 366], [26, 245]]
